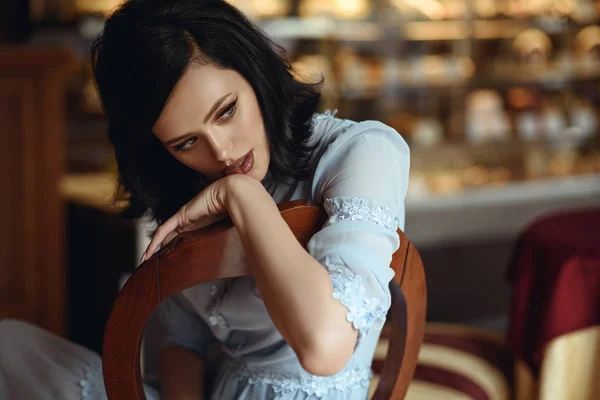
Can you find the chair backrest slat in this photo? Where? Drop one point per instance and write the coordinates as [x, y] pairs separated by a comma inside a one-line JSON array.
[[204, 255]]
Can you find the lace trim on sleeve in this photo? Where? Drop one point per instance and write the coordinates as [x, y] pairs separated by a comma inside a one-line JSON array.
[[356, 209], [348, 288], [91, 383], [325, 114]]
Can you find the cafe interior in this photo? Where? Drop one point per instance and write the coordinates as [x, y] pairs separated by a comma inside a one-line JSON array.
[[499, 102]]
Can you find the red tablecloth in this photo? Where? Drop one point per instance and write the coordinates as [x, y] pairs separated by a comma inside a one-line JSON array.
[[555, 273]]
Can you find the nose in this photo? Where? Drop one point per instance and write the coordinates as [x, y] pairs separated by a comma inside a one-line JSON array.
[[221, 147]]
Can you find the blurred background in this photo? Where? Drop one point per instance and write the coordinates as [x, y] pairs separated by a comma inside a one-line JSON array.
[[498, 99]]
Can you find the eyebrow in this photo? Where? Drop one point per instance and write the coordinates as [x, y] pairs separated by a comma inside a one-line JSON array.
[[214, 108]]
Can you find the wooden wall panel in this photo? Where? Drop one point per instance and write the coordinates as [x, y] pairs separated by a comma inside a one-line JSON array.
[[17, 291], [32, 127]]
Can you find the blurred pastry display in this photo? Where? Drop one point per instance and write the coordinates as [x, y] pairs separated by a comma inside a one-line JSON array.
[[546, 7], [525, 102], [588, 41], [487, 8], [515, 8], [446, 182], [353, 73], [584, 122], [430, 9], [535, 161], [550, 8], [451, 181], [435, 70], [523, 98], [554, 121], [479, 175], [427, 132], [537, 117], [343, 9], [358, 74], [563, 163], [454, 9], [584, 165], [528, 125], [461, 68], [485, 117], [402, 121], [586, 47], [428, 67], [420, 9], [500, 176], [584, 11], [263, 8], [475, 175], [532, 47], [418, 187]]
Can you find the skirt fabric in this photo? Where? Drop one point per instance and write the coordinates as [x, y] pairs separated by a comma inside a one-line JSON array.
[[37, 365]]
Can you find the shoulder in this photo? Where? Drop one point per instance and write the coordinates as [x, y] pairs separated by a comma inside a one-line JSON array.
[[362, 154], [327, 128], [336, 135], [343, 140]]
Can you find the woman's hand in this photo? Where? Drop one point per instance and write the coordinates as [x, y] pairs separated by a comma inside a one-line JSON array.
[[206, 208]]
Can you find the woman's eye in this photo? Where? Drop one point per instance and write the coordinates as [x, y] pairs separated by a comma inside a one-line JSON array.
[[228, 112], [186, 145]]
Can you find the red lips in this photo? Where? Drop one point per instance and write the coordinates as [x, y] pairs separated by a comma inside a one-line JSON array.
[[240, 166]]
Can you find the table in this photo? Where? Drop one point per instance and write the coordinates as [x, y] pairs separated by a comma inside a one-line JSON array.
[[554, 327]]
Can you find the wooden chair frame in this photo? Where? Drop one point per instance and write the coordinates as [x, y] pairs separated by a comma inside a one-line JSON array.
[[195, 257]]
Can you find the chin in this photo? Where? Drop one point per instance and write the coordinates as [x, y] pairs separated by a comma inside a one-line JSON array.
[[258, 175]]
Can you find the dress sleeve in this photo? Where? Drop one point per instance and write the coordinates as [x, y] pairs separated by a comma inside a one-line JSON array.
[[362, 180], [182, 326]]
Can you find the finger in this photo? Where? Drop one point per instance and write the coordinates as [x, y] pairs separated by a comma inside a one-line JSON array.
[[168, 239], [159, 236], [201, 223]]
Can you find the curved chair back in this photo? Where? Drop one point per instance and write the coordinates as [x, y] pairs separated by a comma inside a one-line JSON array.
[[197, 257]]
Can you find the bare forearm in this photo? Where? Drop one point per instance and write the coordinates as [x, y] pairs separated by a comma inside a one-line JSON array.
[[295, 287], [181, 374]]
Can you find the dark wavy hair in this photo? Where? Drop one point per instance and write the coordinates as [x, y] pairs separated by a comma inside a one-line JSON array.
[[145, 48]]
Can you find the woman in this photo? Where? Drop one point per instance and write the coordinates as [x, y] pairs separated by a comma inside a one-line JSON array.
[[207, 121]]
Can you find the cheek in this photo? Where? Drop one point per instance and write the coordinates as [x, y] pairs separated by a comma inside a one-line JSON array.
[[253, 123]]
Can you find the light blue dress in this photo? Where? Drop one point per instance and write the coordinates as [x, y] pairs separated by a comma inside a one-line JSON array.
[[360, 178]]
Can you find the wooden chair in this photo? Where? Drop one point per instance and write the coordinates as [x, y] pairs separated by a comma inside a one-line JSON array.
[[195, 257]]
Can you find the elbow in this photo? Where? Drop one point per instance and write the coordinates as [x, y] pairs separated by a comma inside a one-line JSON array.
[[328, 354]]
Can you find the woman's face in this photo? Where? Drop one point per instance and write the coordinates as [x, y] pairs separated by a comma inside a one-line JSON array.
[[212, 123]]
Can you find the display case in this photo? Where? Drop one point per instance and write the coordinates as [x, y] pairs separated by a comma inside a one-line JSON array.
[[486, 92]]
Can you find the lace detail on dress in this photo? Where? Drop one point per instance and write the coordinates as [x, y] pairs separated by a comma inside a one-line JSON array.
[[216, 319], [356, 210], [348, 288], [88, 385], [325, 114], [319, 386]]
